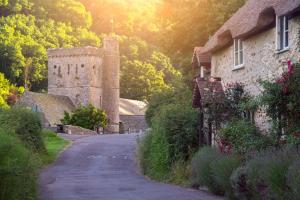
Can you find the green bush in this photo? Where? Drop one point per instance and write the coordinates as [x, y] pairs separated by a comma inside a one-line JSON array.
[[18, 169], [265, 175], [179, 125], [201, 171], [243, 136], [26, 124], [154, 155], [241, 187], [293, 179], [222, 170], [180, 173], [87, 117]]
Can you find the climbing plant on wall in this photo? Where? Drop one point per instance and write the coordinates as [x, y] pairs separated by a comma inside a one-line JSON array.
[[281, 99]]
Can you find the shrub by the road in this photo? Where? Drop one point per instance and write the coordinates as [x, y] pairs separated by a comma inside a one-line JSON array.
[[87, 117], [25, 124], [202, 172], [18, 169], [222, 170]]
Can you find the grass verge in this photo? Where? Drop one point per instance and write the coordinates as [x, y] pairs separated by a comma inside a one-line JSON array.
[[54, 145]]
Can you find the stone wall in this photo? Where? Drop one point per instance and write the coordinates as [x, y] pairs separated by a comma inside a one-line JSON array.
[[261, 61], [134, 123], [76, 73]]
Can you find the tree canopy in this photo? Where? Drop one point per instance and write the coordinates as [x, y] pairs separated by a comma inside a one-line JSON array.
[[156, 36]]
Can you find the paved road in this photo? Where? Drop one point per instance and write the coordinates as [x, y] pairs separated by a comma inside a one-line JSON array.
[[103, 168]]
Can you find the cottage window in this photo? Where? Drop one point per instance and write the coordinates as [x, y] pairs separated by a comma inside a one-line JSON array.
[[282, 33], [238, 53]]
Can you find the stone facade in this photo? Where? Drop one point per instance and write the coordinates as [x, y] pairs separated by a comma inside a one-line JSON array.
[[88, 75], [261, 61]]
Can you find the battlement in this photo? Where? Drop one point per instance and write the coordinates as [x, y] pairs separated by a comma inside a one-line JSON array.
[[76, 52]]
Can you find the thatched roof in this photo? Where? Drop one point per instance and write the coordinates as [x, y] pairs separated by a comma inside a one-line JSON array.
[[201, 58], [51, 107], [132, 107], [254, 17], [207, 92]]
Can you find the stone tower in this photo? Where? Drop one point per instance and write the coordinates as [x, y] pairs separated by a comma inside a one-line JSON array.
[[111, 82], [88, 75]]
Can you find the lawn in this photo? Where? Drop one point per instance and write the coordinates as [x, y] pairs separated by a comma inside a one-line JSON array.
[[54, 145]]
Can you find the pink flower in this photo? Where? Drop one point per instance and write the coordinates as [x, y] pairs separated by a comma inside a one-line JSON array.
[[291, 68]]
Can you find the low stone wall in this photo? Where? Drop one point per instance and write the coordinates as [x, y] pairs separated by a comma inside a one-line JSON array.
[[75, 130], [134, 123]]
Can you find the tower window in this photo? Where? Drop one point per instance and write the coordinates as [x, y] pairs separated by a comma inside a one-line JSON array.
[[59, 72], [76, 69], [82, 66], [55, 66], [68, 69]]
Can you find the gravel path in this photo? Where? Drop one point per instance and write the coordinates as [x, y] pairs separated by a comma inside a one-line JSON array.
[[104, 168]]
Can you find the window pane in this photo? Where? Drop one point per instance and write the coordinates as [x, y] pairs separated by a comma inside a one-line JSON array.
[[281, 32], [236, 45], [241, 57], [236, 57], [241, 45], [286, 23], [286, 39]]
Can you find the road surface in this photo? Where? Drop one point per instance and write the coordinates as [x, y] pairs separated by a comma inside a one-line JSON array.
[[104, 168]]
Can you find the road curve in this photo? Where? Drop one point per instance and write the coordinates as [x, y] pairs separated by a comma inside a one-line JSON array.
[[103, 168]]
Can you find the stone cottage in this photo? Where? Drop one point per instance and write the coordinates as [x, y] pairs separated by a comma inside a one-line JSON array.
[[254, 44], [79, 76]]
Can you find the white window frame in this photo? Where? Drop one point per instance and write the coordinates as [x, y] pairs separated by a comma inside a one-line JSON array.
[[282, 33], [239, 51]]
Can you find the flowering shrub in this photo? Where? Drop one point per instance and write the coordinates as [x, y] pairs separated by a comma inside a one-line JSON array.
[[242, 137], [281, 99]]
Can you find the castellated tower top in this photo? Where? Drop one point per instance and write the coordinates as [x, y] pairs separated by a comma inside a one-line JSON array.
[[111, 44], [81, 51]]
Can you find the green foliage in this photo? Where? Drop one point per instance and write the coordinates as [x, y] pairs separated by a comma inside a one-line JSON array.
[[18, 169], [154, 155], [144, 80], [243, 136], [264, 176], [180, 173], [240, 184], [25, 124], [8, 92], [293, 179], [126, 17], [222, 170], [4, 91], [179, 124], [174, 123], [68, 11], [157, 101], [144, 70], [281, 99], [202, 173], [180, 95], [87, 117], [27, 30]]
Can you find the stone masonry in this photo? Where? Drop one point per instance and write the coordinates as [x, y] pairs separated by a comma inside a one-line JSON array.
[[88, 75], [261, 61]]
